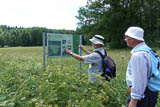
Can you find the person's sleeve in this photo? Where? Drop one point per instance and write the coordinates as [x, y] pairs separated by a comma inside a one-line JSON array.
[[91, 58], [139, 67]]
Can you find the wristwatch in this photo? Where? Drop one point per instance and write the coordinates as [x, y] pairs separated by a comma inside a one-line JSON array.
[[71, 53]]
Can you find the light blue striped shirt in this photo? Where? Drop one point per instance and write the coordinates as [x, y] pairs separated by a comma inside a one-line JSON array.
[[95, 64], [138, 70]]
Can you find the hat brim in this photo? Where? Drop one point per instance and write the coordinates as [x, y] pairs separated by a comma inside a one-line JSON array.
[[96, 41], [132, 36]]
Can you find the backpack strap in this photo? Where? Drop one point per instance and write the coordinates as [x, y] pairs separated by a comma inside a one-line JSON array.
[[148, 50], [102, 56], [151, 52]]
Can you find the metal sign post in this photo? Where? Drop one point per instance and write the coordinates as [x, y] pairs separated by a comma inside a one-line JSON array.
[[44, 51], [80, 51]]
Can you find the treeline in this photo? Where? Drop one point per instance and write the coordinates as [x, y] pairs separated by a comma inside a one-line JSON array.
[[111, 18], [14, 36]]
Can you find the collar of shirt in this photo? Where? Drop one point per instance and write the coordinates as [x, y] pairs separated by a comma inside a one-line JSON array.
[[140, 45], [98, 49]]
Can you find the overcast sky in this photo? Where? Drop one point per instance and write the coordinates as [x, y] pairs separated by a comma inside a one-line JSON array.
[[54, 14]]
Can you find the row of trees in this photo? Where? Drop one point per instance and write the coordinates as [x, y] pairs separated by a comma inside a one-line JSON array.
[[111, 18], [14, 36]]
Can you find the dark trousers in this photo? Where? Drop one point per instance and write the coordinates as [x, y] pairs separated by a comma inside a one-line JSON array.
[[149, 100]]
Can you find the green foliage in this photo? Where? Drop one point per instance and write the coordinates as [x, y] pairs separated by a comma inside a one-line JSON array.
[[115, 43], [24, 84], [14, 36], [111, 18]]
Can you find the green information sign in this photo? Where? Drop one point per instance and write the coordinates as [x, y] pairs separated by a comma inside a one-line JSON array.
[[56, 43]]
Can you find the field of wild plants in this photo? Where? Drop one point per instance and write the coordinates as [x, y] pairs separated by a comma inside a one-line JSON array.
[[24, 84]]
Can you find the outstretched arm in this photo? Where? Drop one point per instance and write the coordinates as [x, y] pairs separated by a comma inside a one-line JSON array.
[[78, 57], [85, 50]]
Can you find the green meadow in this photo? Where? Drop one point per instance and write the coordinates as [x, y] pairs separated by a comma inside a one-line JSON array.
[[23, 83]]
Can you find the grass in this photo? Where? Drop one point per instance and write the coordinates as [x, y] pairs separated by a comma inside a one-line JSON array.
[[23, 82]]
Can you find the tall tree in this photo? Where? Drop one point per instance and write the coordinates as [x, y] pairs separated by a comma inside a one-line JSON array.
[[25, 38], [2, 40], [36, 34], [112, 17]]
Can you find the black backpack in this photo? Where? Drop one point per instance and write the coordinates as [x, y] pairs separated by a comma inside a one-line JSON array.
[[109, 66]]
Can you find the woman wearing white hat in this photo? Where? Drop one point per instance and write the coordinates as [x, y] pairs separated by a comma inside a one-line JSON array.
[[138, 69], [92, 58]]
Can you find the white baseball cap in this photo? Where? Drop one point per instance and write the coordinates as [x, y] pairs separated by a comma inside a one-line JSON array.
[[135, 32], [97, 39]]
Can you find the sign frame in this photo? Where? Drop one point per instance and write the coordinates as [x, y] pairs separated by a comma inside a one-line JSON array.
[[56, 43]]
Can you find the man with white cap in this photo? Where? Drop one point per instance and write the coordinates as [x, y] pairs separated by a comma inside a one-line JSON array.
[[92, 58], [138, 70]]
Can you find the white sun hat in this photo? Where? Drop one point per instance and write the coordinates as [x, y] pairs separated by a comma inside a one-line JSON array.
[[135, 32], [97, 39]]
